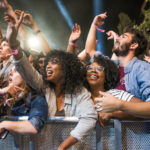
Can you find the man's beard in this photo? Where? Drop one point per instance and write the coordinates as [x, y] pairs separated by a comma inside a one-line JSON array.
[[123, 51]]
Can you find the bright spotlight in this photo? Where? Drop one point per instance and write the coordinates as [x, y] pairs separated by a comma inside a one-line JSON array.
[[34, 42]]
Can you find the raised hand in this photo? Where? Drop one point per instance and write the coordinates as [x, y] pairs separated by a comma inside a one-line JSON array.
[[12, 30], [27, 19], [112, 35], [99, 19], [4, 4], [75, 34], [108, 103]]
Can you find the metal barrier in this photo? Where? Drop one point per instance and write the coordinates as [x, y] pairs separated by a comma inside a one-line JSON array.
[[124, 135]]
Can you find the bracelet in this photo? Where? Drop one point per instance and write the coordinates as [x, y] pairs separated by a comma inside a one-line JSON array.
[[14, 52], [101, 30], [116, 35], [73, 44]]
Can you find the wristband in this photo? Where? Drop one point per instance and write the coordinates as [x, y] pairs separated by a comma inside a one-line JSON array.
[[13, 52], [101, 30], [73, 44]]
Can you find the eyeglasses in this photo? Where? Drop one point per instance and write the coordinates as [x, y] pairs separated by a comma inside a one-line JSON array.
[[97, 68]]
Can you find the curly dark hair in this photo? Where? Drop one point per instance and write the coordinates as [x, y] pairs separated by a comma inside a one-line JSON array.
[[111, 71], [140, 39], [74, 72]]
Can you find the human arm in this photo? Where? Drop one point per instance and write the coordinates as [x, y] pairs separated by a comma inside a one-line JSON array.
[[29, 74], [87, 115], [136, 108], [74, 36], [113, 36], [18, 126], [68, 142], [90, 45], [22, 32], [29, 21], [142, 79], [104, 117], [36, 111]]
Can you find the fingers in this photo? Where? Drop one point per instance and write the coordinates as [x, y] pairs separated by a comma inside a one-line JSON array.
[[76, 28], [3, 4], [20, 19], [103, 16], [101, 123], [9, 18], [104, 94], [18, 12], [18, 88], [112, 35]]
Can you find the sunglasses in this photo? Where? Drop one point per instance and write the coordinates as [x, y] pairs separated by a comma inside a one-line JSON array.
[[97, 68]]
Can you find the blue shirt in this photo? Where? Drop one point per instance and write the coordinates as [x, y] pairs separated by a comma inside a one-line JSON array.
[[137, 79]]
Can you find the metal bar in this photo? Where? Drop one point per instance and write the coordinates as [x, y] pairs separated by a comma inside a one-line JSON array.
[[31, 145], [49, 119], [118, 134]]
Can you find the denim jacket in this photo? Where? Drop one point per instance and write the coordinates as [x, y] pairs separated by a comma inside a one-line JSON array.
[[137, 79], [35, 107]]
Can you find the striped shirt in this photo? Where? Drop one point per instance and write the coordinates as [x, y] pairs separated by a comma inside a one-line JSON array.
[[120, 94]]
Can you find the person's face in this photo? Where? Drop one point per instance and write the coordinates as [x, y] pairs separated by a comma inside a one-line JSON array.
[[15, 78], [95, 75], [122, 44], [54, 71], [4, 50], [41, 61]]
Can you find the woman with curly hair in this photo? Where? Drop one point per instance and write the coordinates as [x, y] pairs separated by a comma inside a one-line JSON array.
[[103, 76], [64, 90]]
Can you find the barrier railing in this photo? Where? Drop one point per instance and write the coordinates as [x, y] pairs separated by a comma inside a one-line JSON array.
[[124, 135]]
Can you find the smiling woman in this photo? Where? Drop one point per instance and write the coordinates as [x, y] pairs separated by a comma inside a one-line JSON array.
[[103, 75], [64, 90]]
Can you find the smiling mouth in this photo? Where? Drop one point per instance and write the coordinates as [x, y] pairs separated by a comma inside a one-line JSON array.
[[93, 77], [49, 73]]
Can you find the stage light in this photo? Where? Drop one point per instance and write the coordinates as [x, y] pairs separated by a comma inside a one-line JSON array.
[[34, 43]]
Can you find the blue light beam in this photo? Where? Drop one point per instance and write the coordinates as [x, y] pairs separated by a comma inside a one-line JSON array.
[[65, 13], [97, 9]]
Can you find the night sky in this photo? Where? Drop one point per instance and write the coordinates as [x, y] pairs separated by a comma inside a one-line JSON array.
[[54, 26]]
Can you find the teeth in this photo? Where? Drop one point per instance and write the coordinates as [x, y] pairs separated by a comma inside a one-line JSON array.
[[49, 72], [93, 77]]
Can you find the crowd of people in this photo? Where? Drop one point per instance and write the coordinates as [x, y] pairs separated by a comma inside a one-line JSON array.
[[87, 85]]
